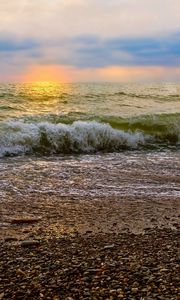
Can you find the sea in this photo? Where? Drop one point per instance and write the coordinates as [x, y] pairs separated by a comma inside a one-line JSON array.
[[90, 139]]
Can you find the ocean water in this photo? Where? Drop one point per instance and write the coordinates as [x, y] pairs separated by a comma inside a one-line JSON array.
[[48, 118], [89, 140]]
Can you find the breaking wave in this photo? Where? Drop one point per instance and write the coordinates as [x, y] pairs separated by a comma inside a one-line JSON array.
[[19, 137], [80, 137]]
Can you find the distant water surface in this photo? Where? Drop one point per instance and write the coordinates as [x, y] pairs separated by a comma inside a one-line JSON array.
[[122, 100]]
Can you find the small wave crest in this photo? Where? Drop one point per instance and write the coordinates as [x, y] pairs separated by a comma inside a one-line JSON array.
[[19, 138]]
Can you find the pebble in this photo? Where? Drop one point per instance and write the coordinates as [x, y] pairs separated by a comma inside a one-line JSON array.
[[109, 246], [121, 296], [1, 296], [134, 290], [77, 268], [29, 243]]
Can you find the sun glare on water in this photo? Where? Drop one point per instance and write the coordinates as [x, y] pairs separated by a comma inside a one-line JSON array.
[[44, 91], [42, 88], [44, 82]]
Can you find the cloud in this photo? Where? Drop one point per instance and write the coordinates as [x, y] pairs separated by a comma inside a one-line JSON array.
[[68, 18], [162, 50], [139, 73], [75, 74], [9, 44], [94, 51], [89, 34]]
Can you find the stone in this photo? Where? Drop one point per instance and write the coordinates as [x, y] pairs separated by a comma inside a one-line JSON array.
[[29, 243], [109, 246], [1, 296], [134, 290]]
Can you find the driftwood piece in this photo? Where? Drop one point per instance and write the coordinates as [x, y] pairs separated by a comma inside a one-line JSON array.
[[24, 220]]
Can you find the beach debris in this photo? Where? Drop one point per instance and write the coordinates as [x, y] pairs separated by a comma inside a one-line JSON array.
[[89, 231], [10, 239], [109, 247], [20, 272], [24, 220]]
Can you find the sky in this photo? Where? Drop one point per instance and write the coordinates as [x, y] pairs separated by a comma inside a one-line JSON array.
[[89, 40]]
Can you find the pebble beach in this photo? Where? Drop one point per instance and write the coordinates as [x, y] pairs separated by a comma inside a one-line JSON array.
[[99, 243]]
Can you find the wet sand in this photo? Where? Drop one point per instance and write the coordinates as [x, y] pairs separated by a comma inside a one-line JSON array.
[[49, 216]]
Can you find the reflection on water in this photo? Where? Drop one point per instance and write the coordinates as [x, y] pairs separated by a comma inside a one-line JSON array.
[[30, 99], [41, 90], [41, 97]]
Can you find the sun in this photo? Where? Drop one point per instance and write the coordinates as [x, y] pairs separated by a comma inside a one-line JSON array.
[[44, 74]]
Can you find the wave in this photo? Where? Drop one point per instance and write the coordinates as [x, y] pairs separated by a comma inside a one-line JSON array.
[[165, 127], [80, 137], [19, 137]]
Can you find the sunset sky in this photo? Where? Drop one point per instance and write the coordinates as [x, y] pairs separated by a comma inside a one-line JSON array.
[[89, 40]]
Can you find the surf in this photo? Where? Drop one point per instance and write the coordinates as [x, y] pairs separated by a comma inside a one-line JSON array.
[[19, 137]]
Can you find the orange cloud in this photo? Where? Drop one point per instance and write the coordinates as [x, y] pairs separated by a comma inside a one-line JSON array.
[[135, 73], [64, 73], [46, 73], [125, 74]]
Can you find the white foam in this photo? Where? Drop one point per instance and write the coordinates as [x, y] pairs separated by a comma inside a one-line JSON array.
[[17, 137]]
